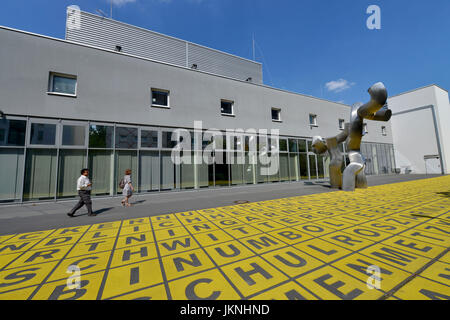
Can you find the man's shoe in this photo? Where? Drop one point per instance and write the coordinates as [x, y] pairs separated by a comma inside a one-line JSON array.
[[92, 215], [70, 215]]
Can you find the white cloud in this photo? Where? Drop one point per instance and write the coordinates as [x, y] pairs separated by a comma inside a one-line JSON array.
[[339, 85], [122, 2]]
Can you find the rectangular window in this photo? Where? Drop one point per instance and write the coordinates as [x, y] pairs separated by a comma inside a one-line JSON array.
[[276, 114], [383, 131], [167, 140], [126, 138], [12, 132], [63, 84], [227, 107], [149, 139], [73, 135], [101, 136], [365, 128], [160, 98], [43, 134], [313, 120], [341, 124]]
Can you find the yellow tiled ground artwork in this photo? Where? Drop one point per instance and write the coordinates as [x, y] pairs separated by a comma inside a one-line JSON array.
[[321, 246]]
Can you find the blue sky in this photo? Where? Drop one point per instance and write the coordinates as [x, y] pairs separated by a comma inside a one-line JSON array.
[[316, 47]]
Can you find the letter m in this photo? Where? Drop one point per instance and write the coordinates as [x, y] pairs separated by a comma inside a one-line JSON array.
[[394, 256]]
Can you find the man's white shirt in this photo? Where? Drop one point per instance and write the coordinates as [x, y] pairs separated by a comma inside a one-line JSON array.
[[83, 182]]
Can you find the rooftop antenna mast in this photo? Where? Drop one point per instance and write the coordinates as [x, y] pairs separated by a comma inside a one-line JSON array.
[[111, 16], [253, 45]]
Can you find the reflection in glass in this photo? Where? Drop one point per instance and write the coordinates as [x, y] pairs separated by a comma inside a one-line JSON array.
[[125, 160], [187, 173], [293, 147], [294, 170], [43, 134], [101, 136], [167, 140], [101, 171], [302, 145], [40, 174], [320, 168], [249, 168], [65, 85], [284, 167], [221, 171], [283, 145], [126, 138], [70, 164], [149, 139], [149, 171], [11, 169], [73, 135], [12, 132], [304, 166], [237, 169], [168, 171], [312, 167]]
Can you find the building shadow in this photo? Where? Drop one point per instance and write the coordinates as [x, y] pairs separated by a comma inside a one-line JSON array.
[[138, 202], [100, 211], [317, 183]]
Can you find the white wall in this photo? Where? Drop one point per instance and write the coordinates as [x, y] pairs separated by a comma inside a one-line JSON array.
[[414, 132]]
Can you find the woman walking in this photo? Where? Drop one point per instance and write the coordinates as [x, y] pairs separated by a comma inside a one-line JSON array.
[[127, 187]]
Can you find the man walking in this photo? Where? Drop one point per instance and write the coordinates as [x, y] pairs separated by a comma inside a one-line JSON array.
[[84, 191]]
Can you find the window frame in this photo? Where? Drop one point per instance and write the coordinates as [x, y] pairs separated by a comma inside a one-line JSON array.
[[233, 113], [279, 114], [365, 129], [315, 124], [159, 134], [154, 105], [383, 131], [343, 124], [86, 126], [32, 121], [50, 91]]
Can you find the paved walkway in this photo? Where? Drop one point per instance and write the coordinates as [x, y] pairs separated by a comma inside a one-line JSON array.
[[317, 246]]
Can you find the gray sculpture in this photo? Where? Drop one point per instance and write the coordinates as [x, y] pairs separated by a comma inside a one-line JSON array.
[[353, 176]]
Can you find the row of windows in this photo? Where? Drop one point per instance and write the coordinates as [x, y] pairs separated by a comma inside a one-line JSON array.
[[160, 98]]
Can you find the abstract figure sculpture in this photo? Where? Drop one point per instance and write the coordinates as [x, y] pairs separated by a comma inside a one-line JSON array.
[[353, 176]]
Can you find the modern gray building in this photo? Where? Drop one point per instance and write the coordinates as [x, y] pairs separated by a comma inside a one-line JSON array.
[[109, 96]]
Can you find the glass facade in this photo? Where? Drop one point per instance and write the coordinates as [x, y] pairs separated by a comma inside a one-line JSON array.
[[41, 159]]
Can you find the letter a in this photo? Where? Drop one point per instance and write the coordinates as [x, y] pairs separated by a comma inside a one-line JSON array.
[[374, 21]]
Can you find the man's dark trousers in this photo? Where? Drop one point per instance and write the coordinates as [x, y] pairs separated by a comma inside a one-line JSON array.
[[85, 199]]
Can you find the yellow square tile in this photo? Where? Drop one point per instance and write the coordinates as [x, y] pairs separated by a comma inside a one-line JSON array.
[[208, 285], [242, 231], [287, 291], [357, 265], [425, 249], [401, 259], [322, 250], [91, 247], [89, 286], [262, 243], [8, 258], [57, 241], [134, 239], [172, 246], [135, 222], [290, 235], [425, 236], [314, 229], [228, 252], [134, 254], [157, 292], [383, 226], [423, 289], [6, 237], [368, 233], [14, 247], [40, 256], [99, 235], [289, 221], [201, 227], [21, 294], [291, 261], [212, 238], [253, 275], [186, 263], [228, 223], [170, 233], [105, 225], [334, 223], [136, 229], [439, 272], [29, 236], [71, 231], [166, 224], [164, 217], [86, 264], [331, 284], [346, 240], [268, 226], [25, 276], [132, 277]]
